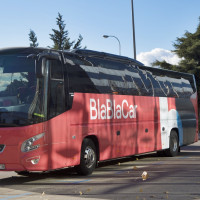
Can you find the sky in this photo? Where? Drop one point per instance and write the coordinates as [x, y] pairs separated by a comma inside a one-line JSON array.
[[157, 24]]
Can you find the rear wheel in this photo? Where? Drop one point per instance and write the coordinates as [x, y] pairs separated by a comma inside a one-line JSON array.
[[161, 153], [173, 144], [88, 158]]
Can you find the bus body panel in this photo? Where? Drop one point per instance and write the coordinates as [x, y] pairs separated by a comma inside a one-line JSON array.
[[65, 142], [194, 100], [124, 125], [118, 122], [14, 158], [187, 121], [122, 132]]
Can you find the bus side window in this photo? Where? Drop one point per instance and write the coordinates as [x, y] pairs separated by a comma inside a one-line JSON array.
[[169, 85], [56, 91], [112, 76], [157, 91], [187, 88], [146, 81], [132, 88], [164, 88]]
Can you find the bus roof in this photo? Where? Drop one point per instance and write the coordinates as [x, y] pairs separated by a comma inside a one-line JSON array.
[[91, 53]]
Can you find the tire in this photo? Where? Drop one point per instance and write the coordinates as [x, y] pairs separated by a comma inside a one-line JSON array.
[[161, 153], [173, 145], [88, 158], [23, 173]]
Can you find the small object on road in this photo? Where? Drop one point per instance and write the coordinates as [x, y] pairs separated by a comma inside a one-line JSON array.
[[134, 167], [144, 176], [88, 190]]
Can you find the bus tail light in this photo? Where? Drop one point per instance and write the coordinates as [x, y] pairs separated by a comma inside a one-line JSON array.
[[28, 144]]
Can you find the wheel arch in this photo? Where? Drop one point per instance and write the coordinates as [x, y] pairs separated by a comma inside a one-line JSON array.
[[173, 143], [176, 130], [96, 143]]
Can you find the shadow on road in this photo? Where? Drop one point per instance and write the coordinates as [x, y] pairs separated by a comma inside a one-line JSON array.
[[111, 174], [188, 151]]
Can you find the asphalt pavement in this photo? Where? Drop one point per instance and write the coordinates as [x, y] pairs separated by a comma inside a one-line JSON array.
[[145, 177]]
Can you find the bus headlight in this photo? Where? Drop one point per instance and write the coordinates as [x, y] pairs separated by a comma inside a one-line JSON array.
[[28, 144]]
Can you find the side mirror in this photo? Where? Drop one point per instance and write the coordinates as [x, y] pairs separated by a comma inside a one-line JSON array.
[[40, 63], [40, 67]]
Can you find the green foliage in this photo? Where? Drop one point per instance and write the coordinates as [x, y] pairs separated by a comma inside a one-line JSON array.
[[163, 64], [33, 39], [187, 48], [77, 45], [61, 37]]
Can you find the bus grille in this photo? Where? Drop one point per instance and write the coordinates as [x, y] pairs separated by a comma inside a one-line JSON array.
[[2, 148]]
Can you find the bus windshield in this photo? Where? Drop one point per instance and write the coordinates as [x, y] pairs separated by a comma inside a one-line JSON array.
[[20, 102]]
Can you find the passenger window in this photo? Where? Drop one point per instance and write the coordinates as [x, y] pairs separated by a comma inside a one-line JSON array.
[[132, 88], [56, 90], [147, 83], [157, 91], [187, 88], [56, 69]]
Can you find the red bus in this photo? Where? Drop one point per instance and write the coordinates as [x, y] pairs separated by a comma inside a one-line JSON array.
[[61, 109]]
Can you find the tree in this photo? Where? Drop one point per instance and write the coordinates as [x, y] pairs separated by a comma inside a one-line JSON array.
[[77, 45], [187, 48], [33, 39], [61, 38]]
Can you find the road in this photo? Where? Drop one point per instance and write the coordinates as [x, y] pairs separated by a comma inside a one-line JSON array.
[[170, 178]]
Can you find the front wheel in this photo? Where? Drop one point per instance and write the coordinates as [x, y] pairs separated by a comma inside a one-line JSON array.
[[23, 173], [173, 145], [88, 158]]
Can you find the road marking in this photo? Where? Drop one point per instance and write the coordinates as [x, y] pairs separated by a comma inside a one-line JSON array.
[[73, 182], [157, 163], [120, 172], [184, 157], [128, 169], [16, 196]]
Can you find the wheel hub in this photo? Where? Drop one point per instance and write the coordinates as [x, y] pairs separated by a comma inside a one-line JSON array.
[[89, 157], [175, 146]]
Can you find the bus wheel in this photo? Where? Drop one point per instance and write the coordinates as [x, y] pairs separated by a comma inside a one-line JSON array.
[[173, 144], [88, 158]]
